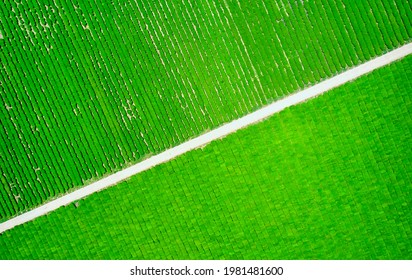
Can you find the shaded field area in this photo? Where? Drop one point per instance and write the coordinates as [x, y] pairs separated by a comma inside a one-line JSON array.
[[327, 179], [89, 88]]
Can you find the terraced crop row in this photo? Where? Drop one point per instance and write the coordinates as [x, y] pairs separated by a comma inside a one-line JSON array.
[[88, 88]]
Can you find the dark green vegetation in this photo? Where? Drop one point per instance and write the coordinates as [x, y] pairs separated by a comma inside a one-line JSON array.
[[90, 87], [330, 178]]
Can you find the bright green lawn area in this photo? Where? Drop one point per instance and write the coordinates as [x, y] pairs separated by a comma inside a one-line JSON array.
[[327, 179], [90, 87]]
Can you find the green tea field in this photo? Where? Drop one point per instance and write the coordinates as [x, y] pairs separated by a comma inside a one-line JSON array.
[[90, 87], [326, 179]]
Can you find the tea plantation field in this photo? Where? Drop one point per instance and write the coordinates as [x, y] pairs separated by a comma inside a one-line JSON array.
[[90, 87], [327, 179]]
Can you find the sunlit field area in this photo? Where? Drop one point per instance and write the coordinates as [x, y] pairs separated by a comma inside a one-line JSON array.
[[327, 179], [89, 88]]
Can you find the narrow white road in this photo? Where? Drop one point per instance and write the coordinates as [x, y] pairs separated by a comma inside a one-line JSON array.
[[208, 137]]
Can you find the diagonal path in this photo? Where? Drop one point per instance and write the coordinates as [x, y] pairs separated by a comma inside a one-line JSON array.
[[208, 137]]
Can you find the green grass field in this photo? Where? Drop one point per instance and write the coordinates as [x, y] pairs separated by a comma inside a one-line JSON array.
[[91, 87], [326, 179]]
